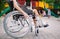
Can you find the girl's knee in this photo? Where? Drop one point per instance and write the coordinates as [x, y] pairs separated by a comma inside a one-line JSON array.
[[35, 10]]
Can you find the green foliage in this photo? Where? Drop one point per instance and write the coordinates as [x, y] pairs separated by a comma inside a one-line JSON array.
[[55, 3], [2, 2]]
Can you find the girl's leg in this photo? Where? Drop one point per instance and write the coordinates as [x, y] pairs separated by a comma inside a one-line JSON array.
[[39, 21], [37, 18]]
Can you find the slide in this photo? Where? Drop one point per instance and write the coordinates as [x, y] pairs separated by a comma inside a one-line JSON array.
[[5, 11], [52, 13]]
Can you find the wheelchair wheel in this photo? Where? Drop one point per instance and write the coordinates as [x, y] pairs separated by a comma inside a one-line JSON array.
[[15, 28]]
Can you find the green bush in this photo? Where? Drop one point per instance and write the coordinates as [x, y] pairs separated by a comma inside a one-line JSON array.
[[2, 2]]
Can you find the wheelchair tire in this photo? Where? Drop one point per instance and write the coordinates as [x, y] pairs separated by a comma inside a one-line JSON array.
[[15, 31]]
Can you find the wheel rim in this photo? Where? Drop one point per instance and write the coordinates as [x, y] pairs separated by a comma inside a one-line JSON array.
[[13, 30]]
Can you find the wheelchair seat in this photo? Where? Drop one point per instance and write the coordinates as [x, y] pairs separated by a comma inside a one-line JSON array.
[[16, 16]]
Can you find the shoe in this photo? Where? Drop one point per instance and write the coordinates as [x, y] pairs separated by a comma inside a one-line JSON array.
[[39, 26], [46, 25]]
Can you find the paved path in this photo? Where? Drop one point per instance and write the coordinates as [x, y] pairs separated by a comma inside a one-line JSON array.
[[51, 32]]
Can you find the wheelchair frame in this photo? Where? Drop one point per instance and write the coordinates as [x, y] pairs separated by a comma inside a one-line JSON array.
[[9, 33]]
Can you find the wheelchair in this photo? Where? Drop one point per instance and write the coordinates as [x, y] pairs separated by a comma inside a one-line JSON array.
[[15, 25]]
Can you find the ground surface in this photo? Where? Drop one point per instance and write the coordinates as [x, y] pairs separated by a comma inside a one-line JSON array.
[[51, 32]]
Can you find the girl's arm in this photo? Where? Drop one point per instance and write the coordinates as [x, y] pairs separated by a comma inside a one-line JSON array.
[[19, 9]]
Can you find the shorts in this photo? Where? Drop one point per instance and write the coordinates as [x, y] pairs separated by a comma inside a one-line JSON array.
[[28, 11]]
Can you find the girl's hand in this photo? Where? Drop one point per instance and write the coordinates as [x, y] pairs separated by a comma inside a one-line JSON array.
[[26, 15]]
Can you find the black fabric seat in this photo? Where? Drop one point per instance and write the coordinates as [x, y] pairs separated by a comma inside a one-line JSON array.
[[16, 17]]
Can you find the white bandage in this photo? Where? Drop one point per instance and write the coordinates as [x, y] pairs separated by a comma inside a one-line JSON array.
[[31, 23], [39, 21]]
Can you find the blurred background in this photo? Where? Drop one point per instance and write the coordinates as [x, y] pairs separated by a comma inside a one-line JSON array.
[[53, 5]]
